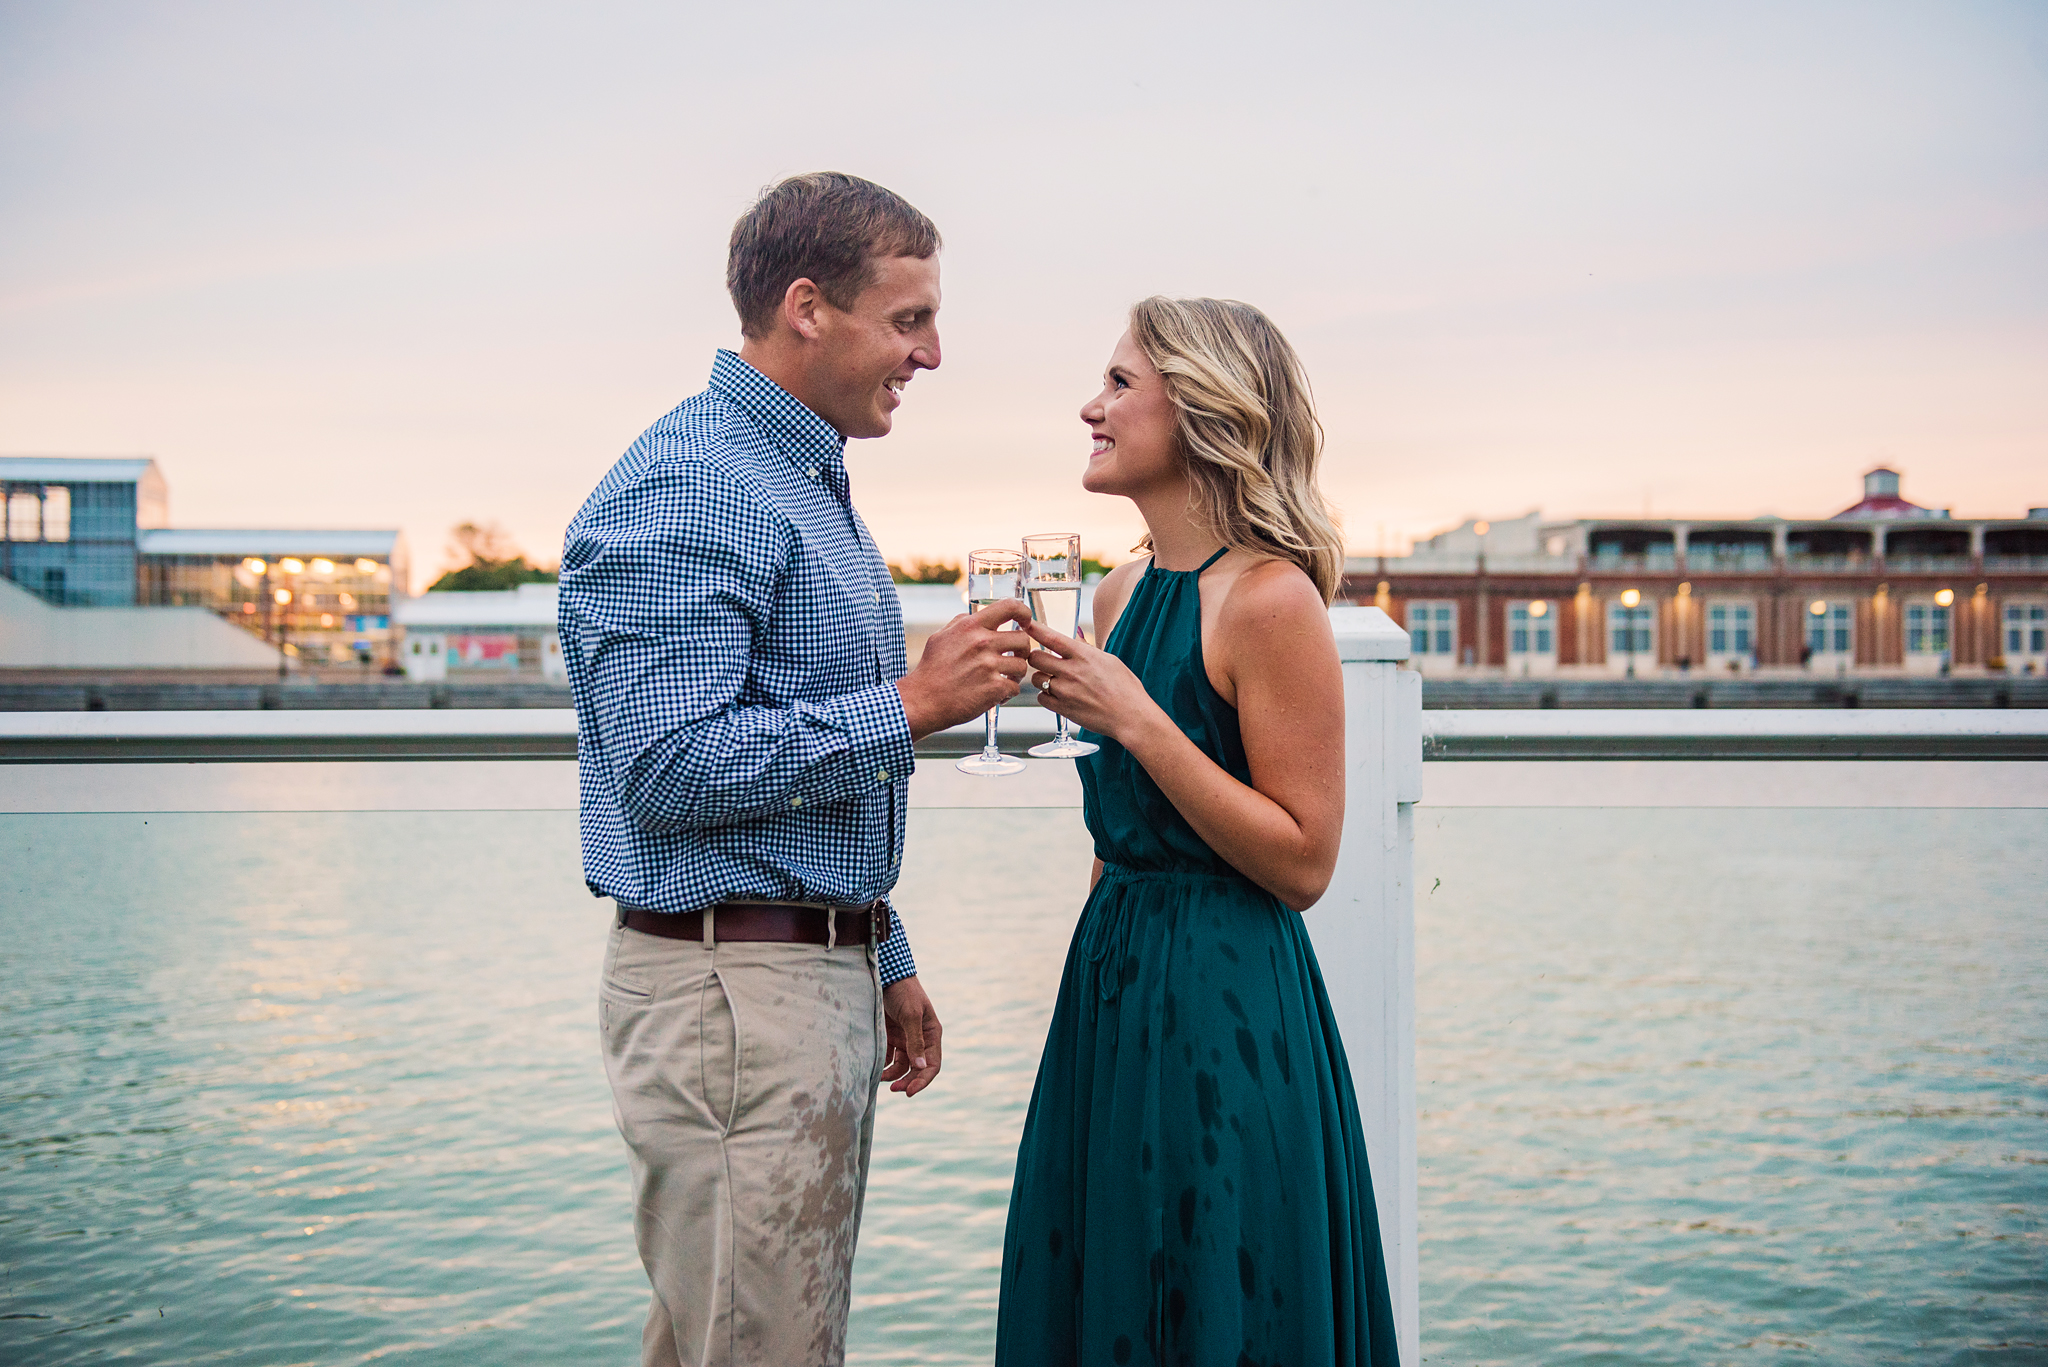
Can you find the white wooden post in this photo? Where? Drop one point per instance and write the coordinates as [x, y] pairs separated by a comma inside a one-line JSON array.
[[1364, 929]]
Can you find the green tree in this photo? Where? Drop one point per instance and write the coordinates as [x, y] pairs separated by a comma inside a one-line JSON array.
[[494, 562], [925, 572]]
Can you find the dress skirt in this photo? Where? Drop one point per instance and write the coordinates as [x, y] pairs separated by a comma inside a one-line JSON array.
[[1192, 1185]]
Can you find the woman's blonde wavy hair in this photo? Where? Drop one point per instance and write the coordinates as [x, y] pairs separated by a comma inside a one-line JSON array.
[[1247, 431]]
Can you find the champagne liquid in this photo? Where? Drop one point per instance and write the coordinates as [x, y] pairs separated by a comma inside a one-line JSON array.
[[1055, 604]]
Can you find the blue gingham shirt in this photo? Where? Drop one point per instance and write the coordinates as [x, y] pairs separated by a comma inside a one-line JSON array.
[[733, 641]]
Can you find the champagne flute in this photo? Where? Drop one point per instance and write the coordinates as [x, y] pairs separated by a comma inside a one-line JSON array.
[[1052, 583], [992, 576]]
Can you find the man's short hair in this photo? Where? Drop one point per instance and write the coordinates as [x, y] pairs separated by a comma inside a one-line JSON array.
[[824, 227]]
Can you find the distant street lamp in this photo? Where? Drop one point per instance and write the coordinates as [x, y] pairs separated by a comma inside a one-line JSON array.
[[1629, 599], [283, 599]]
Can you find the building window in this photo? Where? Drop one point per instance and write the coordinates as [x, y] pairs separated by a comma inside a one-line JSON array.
[[1433, 629], [1829, 631], [1532, 628], [1730, 628], [1926, 629], [2026, 628], [1629, 630], [38, 513]]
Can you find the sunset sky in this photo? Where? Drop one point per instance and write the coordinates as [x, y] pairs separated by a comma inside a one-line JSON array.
[[412, 264]]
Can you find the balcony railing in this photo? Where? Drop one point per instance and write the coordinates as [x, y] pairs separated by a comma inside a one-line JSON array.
[[1927, 564], [2016, 562], [1753, 560], [1800, 563], [1632, 564]]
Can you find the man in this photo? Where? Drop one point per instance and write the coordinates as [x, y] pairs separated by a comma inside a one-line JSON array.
[[745, 728]]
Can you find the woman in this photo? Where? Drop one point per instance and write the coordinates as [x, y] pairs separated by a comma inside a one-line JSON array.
[[1192, 1184]]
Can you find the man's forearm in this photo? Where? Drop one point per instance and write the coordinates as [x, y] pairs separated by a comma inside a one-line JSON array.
[[747, 763]]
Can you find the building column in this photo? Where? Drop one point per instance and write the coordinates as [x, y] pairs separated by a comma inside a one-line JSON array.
[[1781, 544], [1977, 546], [1877, 532]]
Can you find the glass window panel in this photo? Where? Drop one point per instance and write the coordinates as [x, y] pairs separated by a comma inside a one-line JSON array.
[[56, 513], [24, 517]]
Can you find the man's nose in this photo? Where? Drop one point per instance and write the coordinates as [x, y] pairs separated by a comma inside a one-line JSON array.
[[926, 354]]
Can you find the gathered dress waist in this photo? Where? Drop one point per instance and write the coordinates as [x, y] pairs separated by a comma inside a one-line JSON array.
[[1186, 873]]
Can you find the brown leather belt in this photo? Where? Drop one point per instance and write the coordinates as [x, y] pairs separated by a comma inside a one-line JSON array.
[[800, 923]]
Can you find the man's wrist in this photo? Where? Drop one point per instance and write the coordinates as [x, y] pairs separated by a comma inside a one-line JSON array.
[[916, 710]]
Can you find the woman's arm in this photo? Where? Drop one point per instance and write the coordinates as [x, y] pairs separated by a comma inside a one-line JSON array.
[[1281, 831]]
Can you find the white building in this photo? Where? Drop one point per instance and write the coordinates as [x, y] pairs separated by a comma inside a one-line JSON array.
[[507, 634]]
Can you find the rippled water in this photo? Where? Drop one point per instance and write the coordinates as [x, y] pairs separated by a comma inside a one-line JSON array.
[[1697, 1087]]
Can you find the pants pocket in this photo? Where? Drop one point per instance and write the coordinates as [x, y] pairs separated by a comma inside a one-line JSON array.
[[617, 996], [719, 1053]]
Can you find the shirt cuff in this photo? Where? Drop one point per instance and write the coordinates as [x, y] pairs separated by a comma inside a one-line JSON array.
[[881, 751], [893, 961]]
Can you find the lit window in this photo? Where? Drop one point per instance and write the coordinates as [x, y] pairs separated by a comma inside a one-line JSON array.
[[24, 516], [56, 513]]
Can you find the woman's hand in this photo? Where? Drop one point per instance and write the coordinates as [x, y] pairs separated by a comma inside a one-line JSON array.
[[1090, 687]]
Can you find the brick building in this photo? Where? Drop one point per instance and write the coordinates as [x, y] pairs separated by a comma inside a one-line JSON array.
[[1882, 587]]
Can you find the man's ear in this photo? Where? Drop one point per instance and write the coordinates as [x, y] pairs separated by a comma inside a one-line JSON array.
[[800, 305]]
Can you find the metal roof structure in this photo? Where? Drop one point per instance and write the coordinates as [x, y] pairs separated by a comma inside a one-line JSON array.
[[248, 541], [77, 469]]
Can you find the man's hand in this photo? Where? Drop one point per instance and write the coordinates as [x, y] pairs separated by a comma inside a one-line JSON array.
[[914, 1032], [968, 667]]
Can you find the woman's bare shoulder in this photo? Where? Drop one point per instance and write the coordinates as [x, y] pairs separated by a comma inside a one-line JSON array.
[[1275, 595], [1112, 592]]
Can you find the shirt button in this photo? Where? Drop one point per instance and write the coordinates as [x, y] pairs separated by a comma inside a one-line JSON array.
[[796, 802], [812, 472], [881, 775], [878, 595]]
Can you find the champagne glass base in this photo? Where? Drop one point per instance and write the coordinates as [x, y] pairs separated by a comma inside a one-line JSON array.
[[991, 764], [1066, 748]]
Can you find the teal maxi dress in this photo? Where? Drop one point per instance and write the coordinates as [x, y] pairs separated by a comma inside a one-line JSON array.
[[1191, 1186]]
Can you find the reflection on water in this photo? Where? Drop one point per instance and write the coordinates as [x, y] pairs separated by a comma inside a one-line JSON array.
[[1696, 1087]]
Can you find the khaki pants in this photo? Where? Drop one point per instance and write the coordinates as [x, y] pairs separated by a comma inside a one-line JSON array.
[[744, 1077]]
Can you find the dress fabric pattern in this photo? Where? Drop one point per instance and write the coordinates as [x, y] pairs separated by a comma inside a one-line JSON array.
[[1192, 1186]]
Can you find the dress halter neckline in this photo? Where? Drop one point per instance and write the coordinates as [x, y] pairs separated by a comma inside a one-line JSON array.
[[1196, 570]]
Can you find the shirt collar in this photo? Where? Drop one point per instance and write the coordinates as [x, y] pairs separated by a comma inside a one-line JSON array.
[[801, 434]]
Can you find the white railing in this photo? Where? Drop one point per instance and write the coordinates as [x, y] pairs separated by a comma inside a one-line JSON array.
[[1363, 928]]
